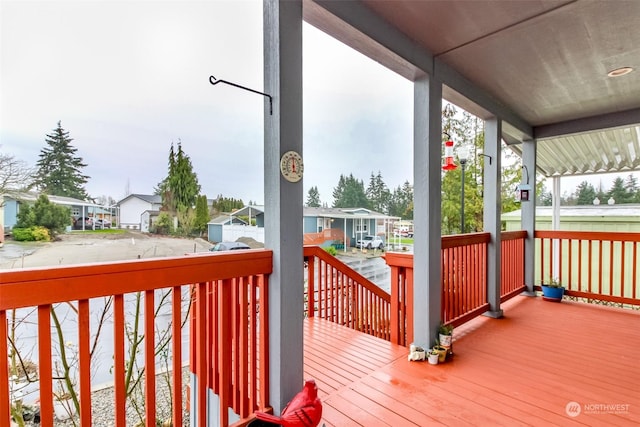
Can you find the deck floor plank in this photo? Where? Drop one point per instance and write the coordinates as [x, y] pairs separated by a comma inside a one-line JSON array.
[[523, 369]]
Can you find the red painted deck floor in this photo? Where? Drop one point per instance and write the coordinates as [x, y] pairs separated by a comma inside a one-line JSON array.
[[542, 364]]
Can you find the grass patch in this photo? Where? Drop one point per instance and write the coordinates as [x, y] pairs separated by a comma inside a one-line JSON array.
[[105, 231], [400, 240]]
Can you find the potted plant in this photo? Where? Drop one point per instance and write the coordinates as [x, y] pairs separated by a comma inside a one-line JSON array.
[[552, 290], [442, 352], [416, 353], [445, 335], [433, 357]]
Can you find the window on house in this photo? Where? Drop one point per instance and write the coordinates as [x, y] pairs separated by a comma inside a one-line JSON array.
[[362, 228]]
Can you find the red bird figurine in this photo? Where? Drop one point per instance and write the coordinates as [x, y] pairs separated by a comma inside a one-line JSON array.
[[304, 410]]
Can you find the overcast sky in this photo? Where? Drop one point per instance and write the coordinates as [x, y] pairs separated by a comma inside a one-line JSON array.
[[129, 78]]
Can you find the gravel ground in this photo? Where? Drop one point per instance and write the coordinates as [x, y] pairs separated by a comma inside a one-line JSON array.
[[79, 248], [103, 406], [102, 403]]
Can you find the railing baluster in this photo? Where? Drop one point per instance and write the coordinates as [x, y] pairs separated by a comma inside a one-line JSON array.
[[119, 360], [176, 350], [634, 279], [611, 267], [45, 373], [234, 345], [311, 286], [623, 257], [149, 356], [203, 349], [5, 412], [224, 348], [253, 350], [84, 360], [243, 339], [264, 342]]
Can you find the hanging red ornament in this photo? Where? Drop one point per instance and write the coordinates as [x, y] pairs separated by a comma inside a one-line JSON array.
[[448, 156]]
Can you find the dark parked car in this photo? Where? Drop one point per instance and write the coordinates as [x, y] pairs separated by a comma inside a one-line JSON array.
[[229, 246], [78, 223]]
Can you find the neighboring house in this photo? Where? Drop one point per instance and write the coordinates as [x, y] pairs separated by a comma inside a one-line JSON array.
[[10, 205], [215, 226], [237, 226], [133, 207], [352, 222], [321, 226]]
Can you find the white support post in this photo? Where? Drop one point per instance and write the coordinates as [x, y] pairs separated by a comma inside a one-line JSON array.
[[427, 157], [555, 225], [283, 199], [529, 213], [492, 211]]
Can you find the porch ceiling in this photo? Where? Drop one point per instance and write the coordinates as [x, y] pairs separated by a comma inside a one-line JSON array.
[[540, 65]]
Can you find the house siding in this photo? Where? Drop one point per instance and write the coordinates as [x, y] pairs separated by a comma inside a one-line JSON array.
[[131, 212], [310, 224], [214, 232], [10, 213]]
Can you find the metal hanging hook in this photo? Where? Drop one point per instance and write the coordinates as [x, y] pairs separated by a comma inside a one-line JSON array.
[[215, 81]]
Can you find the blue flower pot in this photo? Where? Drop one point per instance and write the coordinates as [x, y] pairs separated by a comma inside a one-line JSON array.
[[551, 293]]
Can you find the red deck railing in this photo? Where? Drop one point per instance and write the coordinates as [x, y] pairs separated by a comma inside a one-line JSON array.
[[228, 354], [594, 265], [337, 293], [512, 267], [464, 278]]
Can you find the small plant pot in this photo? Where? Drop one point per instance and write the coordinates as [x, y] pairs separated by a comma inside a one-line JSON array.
[[445, 340], [442, 354], [433, 358], [417, 353], [552, 293]]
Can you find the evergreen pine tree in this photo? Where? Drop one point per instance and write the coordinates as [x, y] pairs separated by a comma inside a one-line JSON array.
[[202, 214], [378, 193], [180, 188], [633, 190], [313, 198], [350, 192], [618, 191], [59, 169], [401, 201], [585, 193]]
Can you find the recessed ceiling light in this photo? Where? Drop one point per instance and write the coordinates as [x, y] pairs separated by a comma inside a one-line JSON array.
[[619, 71]]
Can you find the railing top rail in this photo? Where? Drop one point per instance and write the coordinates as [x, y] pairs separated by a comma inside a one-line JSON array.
[[465, 239], [588, 235], [312, 250], [513, 235], [50, 285], [399, 259]]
